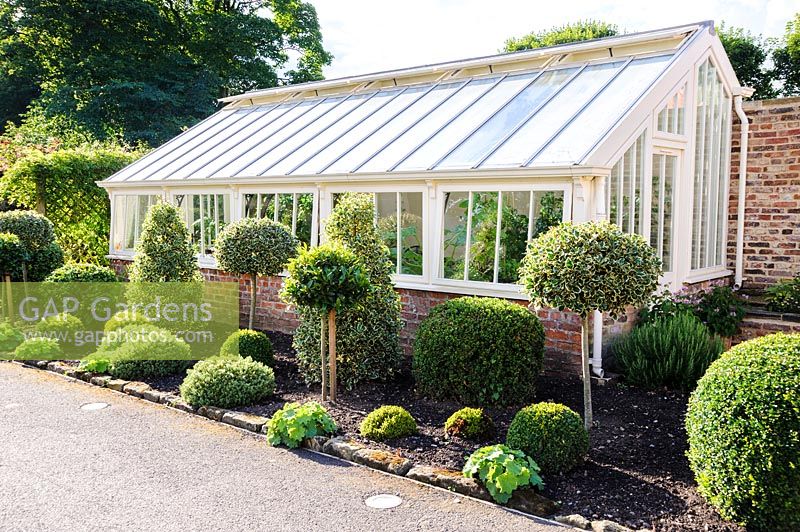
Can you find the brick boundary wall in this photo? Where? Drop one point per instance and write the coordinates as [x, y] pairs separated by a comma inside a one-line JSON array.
[[772, 212]]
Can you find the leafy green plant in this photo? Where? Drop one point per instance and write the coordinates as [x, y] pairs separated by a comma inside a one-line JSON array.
[[123, 318], [61, 327], [12, 255], [743, 426], [246, 343], [470, 424], [673, 351], [295, 422], [721, 310], [227, 382], [95, 365], [502, 471], [479, 351], [164, 253], [785, 296], [388, 422], [10, 337], [82, 273], [586, 267], [254, 247], [140, 351], [35, 234], [550, 433], [327, 278], [38, 348], [663, 305], [367, 335]]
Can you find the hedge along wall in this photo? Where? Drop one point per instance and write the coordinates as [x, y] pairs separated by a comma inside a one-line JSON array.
[[772, 208]]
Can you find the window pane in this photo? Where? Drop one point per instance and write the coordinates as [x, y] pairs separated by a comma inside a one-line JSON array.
[[514, 235], [454, 236], [478, 144], [411, 233], [467, 121], [302, 147], [305, 214], [431, 122], [251, 205], [606, 108], [118, 238], [362, 131], [664, 176], [525, 142], [625, 189], [131, 222], [374, 142], [386, 208], [548, 211], [483, 236]]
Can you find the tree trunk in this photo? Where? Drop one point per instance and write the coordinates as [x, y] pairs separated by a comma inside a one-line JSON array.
[[9, 313], [587, 376], [332, 352], [322, 348], [253, 292]]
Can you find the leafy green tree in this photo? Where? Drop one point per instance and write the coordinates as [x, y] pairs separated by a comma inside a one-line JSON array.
[[328, 278], [748, 54], [787, 59], [583, 30], [255, 247], [587, 267], [144, 69]]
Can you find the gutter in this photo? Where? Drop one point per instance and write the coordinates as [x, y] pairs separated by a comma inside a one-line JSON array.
[[744, 135]]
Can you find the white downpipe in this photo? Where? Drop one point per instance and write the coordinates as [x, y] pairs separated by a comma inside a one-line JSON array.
[[745, 130], [597, 344]]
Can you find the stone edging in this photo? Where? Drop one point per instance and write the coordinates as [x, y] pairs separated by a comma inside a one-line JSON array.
[[525, 501]]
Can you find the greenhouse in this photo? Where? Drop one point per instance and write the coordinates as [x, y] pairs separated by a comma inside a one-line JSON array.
[[468, 160]]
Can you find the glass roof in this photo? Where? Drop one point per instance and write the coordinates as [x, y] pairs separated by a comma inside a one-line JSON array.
[[550, 117]]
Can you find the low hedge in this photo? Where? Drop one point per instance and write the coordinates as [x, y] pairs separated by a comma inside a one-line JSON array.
[[387, 422], [550, 433], [227, 382], [38, 348], [479, 351], [10, 337], [248, 343], [743, 424], [82, 273], [142, 351]]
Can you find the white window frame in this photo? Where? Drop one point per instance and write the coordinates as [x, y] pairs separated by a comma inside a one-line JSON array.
[[114, 194], [205, 260], [242, 192], [669, 278], [683, 138], [326, 207], [483, 287]]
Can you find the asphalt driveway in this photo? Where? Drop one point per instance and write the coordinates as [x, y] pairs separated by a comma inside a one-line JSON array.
[[140, 466]]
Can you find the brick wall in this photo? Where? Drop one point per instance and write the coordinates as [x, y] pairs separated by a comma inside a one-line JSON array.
[[772, 203]]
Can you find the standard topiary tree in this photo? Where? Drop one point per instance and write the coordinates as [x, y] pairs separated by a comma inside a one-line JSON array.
[[35, 233], [743, 426], [164, 252], [12, 257], [368, 344], [328, 278], [587, 267], [254, 247]]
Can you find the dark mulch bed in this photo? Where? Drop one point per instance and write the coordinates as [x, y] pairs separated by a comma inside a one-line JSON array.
[[637, 473]]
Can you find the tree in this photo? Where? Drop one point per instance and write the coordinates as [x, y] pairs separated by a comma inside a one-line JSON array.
[[164, 252], [254, 247], [144, 69], [587, 267], [748, 54], [328, 278], [577, 31], [787, 59], [35, 234], [62, 185], [369, 346]]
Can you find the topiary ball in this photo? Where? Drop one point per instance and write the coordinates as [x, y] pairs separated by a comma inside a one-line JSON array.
[[82, 273], [10, 337], [743, 424], [247, 343], [470, 424], [12, 255], [124, 318], [388, 422], [550, 433], [479, 350], [227, 382], [60, 326], [140, 351], [34, 231], [38, 348]]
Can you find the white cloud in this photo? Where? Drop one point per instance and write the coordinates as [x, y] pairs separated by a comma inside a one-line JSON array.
[[370, 36]]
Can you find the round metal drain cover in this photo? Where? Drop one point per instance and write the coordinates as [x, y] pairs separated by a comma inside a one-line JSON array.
[[384, 501], [94, 406]]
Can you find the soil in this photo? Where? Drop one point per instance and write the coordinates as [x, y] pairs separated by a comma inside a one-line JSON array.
[[637, 473]]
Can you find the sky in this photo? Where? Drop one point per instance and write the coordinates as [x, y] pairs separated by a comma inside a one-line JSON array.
[[368, 36]]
